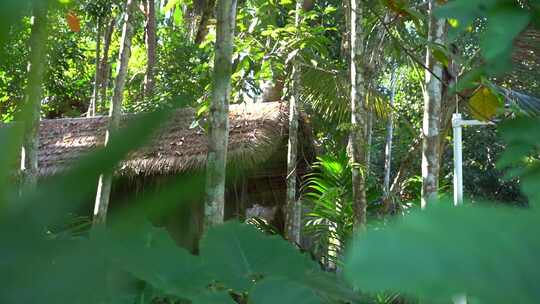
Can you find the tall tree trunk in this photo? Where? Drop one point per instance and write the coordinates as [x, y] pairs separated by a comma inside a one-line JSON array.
[[36, 67], [97, 78], [358, 119], [375, 60], [206, 14], [369, 139], [388, 145], [294, 208], [432, 111], [218, 136], [105, 65], [115, 112], [405, 169], [151, 43]]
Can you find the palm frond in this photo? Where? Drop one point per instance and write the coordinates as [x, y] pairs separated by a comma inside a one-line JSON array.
[[328, 93], [526, 103], [328, 193]]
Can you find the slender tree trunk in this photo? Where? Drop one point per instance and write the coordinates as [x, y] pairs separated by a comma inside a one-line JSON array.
[[389, 139], [358, 119], [36, 69], [115, 112], [369, 139], [206, 15], [151, 43], [294, 208], [104, 65], [432, 111], [405, 169], [345, 47], [97, 78], [218, 136]]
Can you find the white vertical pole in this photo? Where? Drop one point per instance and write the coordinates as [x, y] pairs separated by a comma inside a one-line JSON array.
[[460, 299], [458, 159], [458, 178]]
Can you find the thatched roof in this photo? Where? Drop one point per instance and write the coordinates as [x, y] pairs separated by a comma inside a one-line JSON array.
[[256, 131]]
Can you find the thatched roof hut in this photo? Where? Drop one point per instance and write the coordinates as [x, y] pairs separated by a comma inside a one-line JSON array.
[[256, 132], [257, 143]]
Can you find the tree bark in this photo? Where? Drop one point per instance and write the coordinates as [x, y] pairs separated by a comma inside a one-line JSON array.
[[97, 78], [294, 208], [36, 69], [345, 47], [219, 114], [202, 29], [104, 65], [369, 139], [151, 43], [388, 145], [115, 112], [358, 119], [405, 169], [432, 111]]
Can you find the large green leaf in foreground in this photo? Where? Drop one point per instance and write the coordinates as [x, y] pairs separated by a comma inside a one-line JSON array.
[[234, 257], [486, 252], [241, 255]]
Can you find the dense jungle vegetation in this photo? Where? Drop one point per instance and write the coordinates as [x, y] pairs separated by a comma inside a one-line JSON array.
[[269, 151]]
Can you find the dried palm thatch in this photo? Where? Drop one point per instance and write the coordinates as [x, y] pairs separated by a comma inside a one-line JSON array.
[[256, 132], [526, 52], [525, 74]]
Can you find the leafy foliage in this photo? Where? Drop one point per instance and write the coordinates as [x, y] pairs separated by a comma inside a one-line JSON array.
[[505, 20], [329, 196], [484, 252], [484, 104], [234, 259]]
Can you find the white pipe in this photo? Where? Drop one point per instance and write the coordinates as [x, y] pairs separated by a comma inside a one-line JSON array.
[[460, 299], [462, 122], [457, 124]]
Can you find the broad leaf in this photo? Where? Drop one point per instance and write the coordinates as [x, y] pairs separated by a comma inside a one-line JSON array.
[[484, 104], [504, 24], [282, 291], [489, 253], [240, 255], [158, 260]]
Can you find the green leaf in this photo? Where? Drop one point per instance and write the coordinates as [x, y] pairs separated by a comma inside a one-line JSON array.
[[522, 146], [484, 104], [489, 253], [441, 56], [282, 291], [240, 255], [213, 297], [504, 24], [178, 16], [171, 5], [329, 10], [470, 80], [159, 261], [11, 12]]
